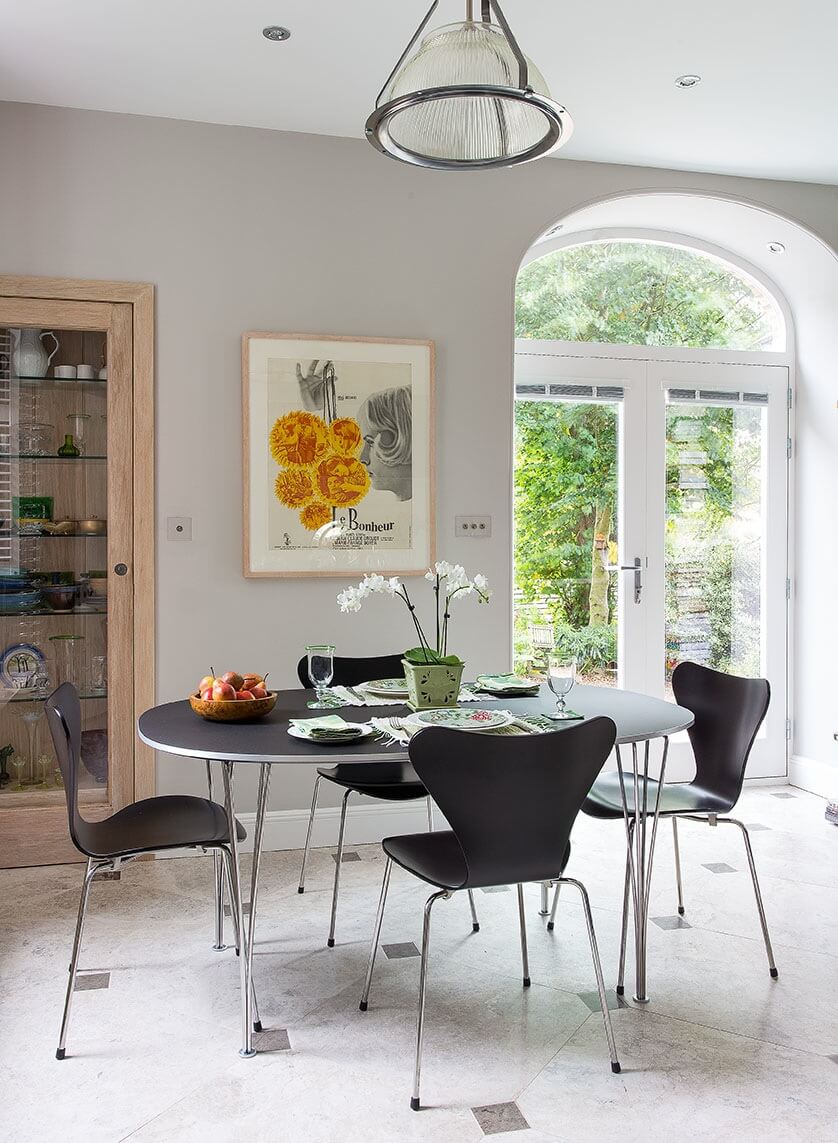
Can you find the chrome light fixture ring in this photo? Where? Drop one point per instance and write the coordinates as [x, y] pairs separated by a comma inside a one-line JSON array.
[[557, 117]]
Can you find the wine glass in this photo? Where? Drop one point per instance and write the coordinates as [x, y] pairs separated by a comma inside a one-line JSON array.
[[45, 765], [19, 764], [561, 675], [321, 669]]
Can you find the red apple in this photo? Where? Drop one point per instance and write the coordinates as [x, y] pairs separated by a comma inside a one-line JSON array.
[[206, 694], [251, 681], [244, 695], [259, 691], [223, 692], [206, 683], [233, 678]]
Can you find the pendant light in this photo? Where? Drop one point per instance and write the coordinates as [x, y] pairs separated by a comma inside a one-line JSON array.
[[467, 99]]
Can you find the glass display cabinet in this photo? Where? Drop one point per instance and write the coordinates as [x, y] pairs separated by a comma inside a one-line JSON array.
[[68, 573]]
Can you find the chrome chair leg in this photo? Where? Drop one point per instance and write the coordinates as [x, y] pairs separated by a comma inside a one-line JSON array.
[[423, 978], [475, 924], [219, 945], [771, 965], [301, 888], [678, 866], [600, 983], [430, 814], [551, 924], [621, 974], [379, 917], [331, 941], [525, 960], [90, 873], [218, 871], [234, 913]]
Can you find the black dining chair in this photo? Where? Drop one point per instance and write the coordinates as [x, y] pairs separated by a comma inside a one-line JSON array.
[[149, 826], [386, 781], [516, 830], [728, 711]]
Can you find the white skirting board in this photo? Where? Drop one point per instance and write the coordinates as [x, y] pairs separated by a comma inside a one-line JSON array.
[[816, 777]]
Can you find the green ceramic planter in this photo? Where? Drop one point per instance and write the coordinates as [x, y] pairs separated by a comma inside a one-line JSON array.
[[432, 685]]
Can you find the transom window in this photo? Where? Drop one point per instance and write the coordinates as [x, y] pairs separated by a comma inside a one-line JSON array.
[[631, 292]]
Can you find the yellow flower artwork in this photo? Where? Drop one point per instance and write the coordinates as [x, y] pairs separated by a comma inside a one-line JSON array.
[[299, 439], [319, 469]]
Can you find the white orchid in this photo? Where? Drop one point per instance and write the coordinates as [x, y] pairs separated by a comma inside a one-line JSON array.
[[450, 582]]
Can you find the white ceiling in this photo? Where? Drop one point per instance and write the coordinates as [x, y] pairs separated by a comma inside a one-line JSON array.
[[766, 106]]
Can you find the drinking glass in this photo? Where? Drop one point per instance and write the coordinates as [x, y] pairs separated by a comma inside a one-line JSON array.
[[19, 764], [78, 423], [321, 668], [561, 675]]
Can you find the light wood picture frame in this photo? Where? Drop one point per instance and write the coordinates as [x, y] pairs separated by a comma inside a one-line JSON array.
[[338, 455]]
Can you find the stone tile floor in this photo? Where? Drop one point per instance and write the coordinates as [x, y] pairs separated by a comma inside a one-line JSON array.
[[722, 1052]]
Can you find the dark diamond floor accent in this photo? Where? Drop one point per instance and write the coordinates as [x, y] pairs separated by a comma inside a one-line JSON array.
[[671, 922], [592, 1000], [351, 856], [109, 875], [245, 909], [90, 980], [784, 795], [399, 951], [273, 1040], [719, 867], [497, 1118], [833, 1058]]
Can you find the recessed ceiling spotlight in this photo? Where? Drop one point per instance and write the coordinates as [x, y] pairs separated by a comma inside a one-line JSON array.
[[687, 80], [276, 33], [776, 248]]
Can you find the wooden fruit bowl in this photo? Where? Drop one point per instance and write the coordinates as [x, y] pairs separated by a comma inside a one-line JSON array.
[[232, 710]]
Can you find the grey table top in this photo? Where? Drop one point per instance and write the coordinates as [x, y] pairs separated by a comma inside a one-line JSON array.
[[176, 729]]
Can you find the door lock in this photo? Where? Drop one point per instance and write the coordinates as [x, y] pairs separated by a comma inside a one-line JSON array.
[[637, 568], [121, 569]]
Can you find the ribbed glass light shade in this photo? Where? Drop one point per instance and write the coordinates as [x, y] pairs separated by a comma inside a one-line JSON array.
[[474, 128]]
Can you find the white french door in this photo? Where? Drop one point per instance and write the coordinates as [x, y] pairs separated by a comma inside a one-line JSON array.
[[696, 555]]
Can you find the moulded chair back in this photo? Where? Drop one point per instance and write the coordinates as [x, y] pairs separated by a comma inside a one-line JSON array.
[[63, 711], [729, 711], [512, 801], [349, 672]]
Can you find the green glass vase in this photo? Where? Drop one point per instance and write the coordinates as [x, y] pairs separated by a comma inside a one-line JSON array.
[[69, 447]]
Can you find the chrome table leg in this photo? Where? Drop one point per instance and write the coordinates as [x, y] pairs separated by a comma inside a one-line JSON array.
[[338, 861], [522, 920], [90, 873], [261, 808], [475, 924], [544, 911], [641, 857], [621, 974], [301, 888], [379, 917], [678, 866], [423, 978], [247, 1048], [430, 815]]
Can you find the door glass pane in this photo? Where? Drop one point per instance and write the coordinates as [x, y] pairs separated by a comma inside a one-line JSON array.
[[53, 555], [566, 531], [715, 532]]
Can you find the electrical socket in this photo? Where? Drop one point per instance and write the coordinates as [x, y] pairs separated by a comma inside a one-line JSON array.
[[476, 527]]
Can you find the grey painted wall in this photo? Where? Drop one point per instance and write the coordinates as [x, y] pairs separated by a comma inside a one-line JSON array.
[[248, 229]]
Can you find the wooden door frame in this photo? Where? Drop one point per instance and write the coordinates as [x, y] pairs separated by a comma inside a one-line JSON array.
[[140, 296]]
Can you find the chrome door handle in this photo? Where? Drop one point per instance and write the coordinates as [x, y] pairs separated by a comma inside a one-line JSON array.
[[637, 568]]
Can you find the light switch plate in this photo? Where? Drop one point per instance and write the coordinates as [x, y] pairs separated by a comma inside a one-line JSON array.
[[179, 528], [476, 527]]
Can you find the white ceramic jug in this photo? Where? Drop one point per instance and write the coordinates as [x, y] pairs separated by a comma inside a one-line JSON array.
[[30, 358]]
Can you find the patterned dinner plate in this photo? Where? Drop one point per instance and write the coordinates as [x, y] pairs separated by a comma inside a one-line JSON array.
[[457, 719], [396, 688]]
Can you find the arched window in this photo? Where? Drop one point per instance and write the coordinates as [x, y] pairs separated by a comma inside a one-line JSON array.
[[638, 292]]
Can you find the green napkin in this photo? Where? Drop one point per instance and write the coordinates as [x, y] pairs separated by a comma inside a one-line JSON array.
[[327, 726], [510, 682]]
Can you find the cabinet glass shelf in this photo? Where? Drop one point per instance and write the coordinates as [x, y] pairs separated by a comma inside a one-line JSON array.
[[58, 382], [22, 696], [34, 457], [47, 536], [36, 613]]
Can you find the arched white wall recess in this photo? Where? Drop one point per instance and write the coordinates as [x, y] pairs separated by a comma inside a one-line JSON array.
[[804, 281]]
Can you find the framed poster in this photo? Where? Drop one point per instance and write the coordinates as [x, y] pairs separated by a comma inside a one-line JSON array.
[[338, 455]]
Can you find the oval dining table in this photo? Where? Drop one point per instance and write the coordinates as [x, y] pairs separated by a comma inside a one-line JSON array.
[[174, 728]]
